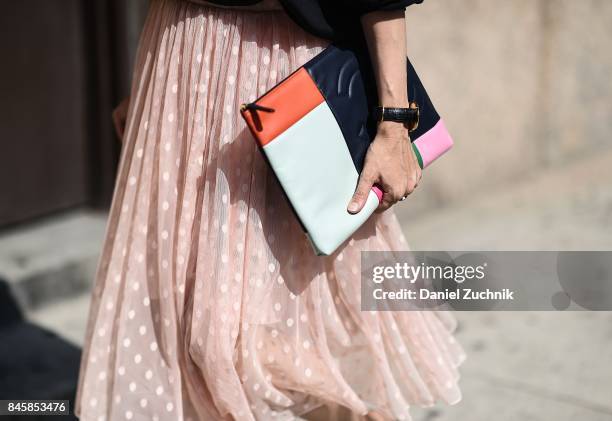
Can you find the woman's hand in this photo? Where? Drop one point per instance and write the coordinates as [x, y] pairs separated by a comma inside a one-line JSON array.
[[391, 164], [120, 117], [390, 161]]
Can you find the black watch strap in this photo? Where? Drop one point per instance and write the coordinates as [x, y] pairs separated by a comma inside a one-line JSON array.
[[408, 116]]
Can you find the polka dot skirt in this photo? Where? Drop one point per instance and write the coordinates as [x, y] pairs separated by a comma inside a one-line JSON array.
[[209, 303]]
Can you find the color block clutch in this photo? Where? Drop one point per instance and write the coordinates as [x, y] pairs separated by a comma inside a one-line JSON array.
[[314, 129]]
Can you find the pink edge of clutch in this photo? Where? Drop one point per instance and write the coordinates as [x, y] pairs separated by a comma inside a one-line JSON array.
[[434, 143], [378, 192]]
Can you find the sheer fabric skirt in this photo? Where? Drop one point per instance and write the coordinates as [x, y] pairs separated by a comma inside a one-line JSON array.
[[209, 303]]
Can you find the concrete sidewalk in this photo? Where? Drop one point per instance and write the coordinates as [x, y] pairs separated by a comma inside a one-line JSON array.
[[538, 366]]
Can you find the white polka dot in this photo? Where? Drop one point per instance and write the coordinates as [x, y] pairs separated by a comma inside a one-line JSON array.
[[128, 415], [143, 403], [169, 407], [253, 69], [166, 176], [153, 346], [273, 74], [199, 58], [256, 387], [132, 387], [139, 153], [306, 344], [126, 342], [235, 50], [102, 375], [121, 370], [146, 301], [277, 307], [231, 80], [168, 146], [175, 88], [271, 267], [93, 402], [289, 322], [137, 358], [101, 331], [149, 375], [308, 372], [132, 180], [142, 330], [159, 390], [164, 235], [170, 117], [266, 60], [136, 286], [131, 314]]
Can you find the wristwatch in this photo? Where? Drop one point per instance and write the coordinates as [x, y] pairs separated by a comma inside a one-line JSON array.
[[408, 116]]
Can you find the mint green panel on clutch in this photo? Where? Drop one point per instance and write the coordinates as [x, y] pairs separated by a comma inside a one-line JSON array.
[[314, 167]]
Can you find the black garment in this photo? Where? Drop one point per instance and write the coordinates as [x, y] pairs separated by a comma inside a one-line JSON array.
[[339, 21], [335, 20]]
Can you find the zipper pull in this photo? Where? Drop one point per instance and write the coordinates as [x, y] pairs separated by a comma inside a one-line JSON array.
[[252, 106]]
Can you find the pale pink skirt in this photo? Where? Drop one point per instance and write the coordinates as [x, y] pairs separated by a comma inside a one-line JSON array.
[[209, 302]]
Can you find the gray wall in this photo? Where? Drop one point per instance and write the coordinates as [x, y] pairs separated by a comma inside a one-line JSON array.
[[523, 85]]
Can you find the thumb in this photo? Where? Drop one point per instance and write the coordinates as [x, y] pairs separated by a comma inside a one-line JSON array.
[[366, 180]]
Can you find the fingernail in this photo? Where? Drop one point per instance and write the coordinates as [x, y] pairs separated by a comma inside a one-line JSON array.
[[353, 207]]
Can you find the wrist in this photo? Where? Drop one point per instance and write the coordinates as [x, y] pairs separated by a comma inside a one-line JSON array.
[[392, 129], [394, 102]]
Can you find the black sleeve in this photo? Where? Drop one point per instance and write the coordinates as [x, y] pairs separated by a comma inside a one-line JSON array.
[[366, 6]]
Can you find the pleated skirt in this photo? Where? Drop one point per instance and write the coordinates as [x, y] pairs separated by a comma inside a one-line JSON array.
[[208, 302]]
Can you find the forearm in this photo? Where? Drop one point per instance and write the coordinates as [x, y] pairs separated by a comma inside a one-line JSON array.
[[385, 33]]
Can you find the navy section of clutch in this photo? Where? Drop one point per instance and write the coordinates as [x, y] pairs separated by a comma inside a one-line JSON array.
[[338, 75]]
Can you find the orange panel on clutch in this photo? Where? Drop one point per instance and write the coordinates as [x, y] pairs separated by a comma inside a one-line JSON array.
[[291, 100]]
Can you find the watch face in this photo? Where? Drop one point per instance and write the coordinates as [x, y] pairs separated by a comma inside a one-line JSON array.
[[414, 123]]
